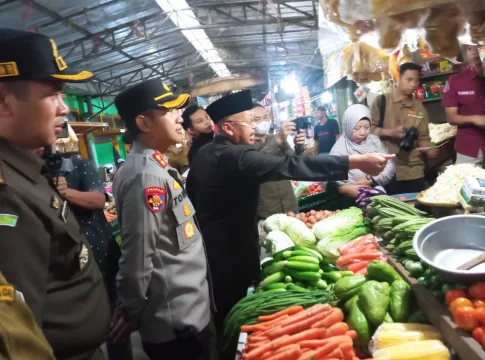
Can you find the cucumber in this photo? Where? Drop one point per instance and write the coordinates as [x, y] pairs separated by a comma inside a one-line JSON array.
[[314, 252], [304, 275], [275, 267], [296, 288], [302, 266], [307, 259], [277, 285], [274, 278], [294, 253], [320, 284], [332, 276]]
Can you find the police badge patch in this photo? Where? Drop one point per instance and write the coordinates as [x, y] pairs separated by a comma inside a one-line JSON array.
[[155, 198]]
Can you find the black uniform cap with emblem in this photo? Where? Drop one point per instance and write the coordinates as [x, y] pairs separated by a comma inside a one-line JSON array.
[[153, 94], [31, 56], [230, 105]]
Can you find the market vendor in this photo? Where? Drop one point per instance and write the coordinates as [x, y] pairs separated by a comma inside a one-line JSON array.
[[464, 100], [278, 196], [200, 126], [46, 257], [226, 197], [163, 285], [401, 112], [357, 139]]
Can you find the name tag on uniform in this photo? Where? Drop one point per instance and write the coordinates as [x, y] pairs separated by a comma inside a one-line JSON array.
[[415, 114], [470, 92]]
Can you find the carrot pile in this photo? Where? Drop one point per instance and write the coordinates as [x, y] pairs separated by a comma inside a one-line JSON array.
[[357, 254], [109, 217], [317, 333]]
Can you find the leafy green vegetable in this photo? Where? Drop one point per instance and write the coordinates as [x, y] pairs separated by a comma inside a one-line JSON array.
[[328, 247], [300, 234], [338, 223], [276, 241], [276, 222]]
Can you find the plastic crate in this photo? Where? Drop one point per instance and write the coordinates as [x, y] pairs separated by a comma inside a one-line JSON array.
[[322, 201]]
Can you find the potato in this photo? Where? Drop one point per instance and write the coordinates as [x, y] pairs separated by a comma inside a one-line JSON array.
[[313, 212], [291, 213], [326, 213], [319, 216], [309, 225], [312, 219]]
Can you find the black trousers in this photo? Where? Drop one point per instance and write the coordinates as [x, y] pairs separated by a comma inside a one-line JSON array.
[[193, 346], [227, 295], [405, 186]]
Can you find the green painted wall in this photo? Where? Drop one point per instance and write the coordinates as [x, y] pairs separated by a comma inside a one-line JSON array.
[[102, 152]]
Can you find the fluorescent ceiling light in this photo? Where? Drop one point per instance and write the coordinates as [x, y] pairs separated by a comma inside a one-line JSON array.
[[184, 18]]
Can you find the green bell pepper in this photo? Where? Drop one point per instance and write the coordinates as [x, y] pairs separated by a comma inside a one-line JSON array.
[[374, 300], [388, 318], [400, 303], [382, 271], [357, 321], [349, 286]]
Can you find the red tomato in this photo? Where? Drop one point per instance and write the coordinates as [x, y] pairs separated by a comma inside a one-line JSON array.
[[465, 318], [458, 303], [478, 333], [477, 291], [480, 315], [453, 294], [477, 304]]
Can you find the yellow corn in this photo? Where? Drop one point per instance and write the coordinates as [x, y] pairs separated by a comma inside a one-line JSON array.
[[421, 350], [406, 327], [390, 338]]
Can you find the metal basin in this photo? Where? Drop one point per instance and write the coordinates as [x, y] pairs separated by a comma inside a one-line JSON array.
[[446, 243]]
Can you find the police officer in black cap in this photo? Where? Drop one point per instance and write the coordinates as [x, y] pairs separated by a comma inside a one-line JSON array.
[[223, 184], [163, 285], [44, 254]]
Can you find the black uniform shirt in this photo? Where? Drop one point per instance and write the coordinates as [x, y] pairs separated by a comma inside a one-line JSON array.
[[223, 185]]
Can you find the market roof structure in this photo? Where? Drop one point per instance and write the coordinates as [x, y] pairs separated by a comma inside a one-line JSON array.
[[126, 41]]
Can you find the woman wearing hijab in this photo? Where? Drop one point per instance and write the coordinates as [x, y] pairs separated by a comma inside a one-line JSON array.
[[357, 139]]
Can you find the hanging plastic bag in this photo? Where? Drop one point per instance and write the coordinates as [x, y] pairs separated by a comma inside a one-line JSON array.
[[474, 12], [351, 11]]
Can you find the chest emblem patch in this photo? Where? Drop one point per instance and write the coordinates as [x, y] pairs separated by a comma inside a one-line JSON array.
[[187, 210], [55, 202], [155, 198], [8, 220], [189, 230], [176, 185], [160, 159]]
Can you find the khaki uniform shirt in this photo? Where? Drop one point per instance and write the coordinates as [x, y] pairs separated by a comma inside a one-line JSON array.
[[276, 197], [162, 282], [20, 337], [409, 164], [178, 157], [46, 257]]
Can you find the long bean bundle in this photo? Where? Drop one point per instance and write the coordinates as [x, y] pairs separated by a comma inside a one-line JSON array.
[[247, 310]]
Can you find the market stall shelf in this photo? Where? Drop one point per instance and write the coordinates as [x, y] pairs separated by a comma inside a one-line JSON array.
[[464, 345]]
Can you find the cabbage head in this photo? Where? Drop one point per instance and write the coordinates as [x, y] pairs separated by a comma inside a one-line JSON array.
[[277, 241], [300, 233], [275, 222]]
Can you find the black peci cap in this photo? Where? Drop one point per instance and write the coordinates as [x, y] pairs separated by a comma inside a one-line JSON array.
[[153, 94], [230, 105], [32, 56]]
